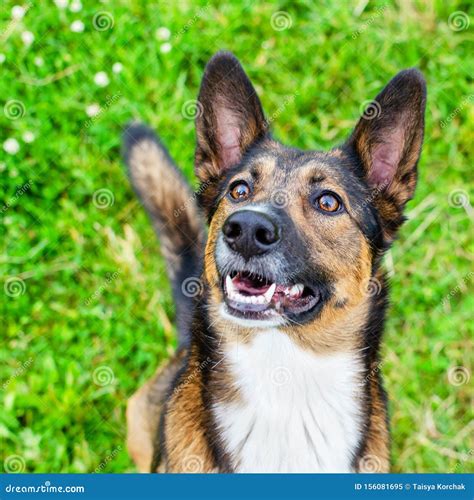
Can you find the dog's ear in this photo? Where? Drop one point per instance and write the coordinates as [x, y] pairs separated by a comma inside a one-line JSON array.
[[387, 141], [229, 120]]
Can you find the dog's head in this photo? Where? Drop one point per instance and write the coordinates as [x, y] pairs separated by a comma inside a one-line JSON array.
[[294, 236]]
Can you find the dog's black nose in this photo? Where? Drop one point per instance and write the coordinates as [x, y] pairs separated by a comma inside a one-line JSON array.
[[250, 233]]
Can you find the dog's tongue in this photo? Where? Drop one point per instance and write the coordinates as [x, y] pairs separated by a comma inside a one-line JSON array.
[[249, 285]]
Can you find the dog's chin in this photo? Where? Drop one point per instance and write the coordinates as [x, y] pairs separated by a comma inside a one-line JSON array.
[[256, 300]]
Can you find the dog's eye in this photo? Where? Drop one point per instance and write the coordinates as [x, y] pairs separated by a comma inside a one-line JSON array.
[[239, 190], [328, 202]]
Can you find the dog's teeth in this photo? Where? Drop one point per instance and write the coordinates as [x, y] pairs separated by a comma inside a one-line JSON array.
[[296, 290], [230, 285], [234, 294], [269, 293], [243, 298]]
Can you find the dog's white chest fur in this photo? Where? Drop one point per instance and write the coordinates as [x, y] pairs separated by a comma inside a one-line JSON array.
[[299, 412]]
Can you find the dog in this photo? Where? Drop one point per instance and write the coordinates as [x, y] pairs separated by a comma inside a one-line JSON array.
[[281, 302]]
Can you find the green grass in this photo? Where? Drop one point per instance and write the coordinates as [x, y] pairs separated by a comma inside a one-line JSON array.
[[95, 292]]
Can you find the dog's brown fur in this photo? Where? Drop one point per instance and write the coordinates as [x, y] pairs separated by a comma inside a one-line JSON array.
[[171, 426]]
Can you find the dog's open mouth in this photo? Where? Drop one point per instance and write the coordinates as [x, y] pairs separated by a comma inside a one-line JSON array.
[[254, 297]]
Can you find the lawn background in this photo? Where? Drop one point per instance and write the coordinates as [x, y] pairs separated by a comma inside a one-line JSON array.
[[86, 307]]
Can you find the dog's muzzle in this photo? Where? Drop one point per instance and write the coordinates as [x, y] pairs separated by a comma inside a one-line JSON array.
[[252, 262]]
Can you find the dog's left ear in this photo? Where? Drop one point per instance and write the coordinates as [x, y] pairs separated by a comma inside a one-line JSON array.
[[230, 119], [387, 141]]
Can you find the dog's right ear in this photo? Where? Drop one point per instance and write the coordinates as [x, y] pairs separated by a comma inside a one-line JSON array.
[[387, 141], [230, 119]]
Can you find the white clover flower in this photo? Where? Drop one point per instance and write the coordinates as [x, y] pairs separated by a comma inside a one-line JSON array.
[[165, 48], [93, 110], [18, 12], [2, 58], [163, 33], [11, 146], [117, 67], [61, 4], [27, 37], [77, 26], [38, 61], [28, 137], [75, 6], [101, 79]]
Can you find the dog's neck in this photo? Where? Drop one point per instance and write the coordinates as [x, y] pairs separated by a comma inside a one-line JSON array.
[[292, 411], [277, 407]]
